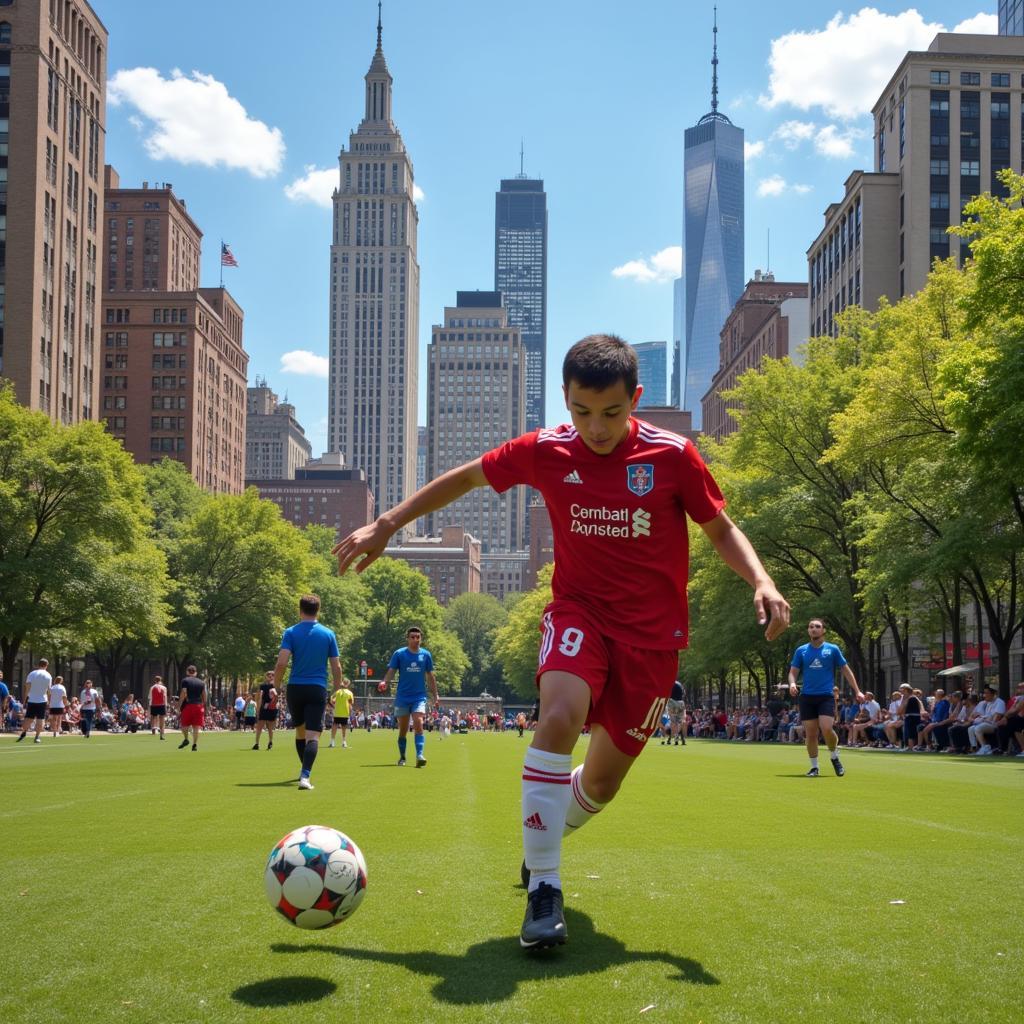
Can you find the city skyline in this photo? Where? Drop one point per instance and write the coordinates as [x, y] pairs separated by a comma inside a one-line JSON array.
[[463, 120]]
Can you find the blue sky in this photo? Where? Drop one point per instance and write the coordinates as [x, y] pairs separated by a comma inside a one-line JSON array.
[[243, 111]]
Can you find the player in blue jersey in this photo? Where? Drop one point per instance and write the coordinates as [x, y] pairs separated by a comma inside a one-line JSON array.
[[415, 668], [818, 662], [310, 646]]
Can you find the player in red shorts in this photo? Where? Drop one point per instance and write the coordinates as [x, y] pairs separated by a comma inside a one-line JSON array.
[[192, 706], [618, 491]]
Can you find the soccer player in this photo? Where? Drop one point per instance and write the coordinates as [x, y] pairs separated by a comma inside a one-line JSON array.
[[818, 661], [618, 491], [39, 680], [192, 701], [676, 715], [310, 646], [415, 668], [57, 697], [157, 706], [90, 698], [341, 703], [266, 711]]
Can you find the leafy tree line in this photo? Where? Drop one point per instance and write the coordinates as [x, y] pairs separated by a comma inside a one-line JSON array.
[[882, 481]]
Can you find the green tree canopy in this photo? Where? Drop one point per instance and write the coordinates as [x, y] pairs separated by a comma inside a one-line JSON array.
[[517, 643], [475, 619]]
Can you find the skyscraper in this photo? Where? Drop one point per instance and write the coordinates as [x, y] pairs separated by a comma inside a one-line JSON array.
[[53, 74], [375, 288], [712, 241], [652, 357], [1011, 17], [521, 275]]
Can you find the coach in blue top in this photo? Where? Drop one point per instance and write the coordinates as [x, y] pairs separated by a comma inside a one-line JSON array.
[[415, 668], [310, 646], [818, 661]]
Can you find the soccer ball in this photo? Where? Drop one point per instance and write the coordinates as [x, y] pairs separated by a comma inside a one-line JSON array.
[[315, 877]]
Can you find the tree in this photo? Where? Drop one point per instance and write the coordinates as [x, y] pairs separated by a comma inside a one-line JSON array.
[[173, 495], [344, 601], [71, 499], [475, 619], [517, 643]]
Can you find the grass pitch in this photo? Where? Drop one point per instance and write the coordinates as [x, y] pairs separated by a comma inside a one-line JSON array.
[[721, 886]]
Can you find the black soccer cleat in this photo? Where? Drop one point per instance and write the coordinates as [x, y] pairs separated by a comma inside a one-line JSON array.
[[837, 766], [544, 923], [183, 744], [524, 875], [812, 773]]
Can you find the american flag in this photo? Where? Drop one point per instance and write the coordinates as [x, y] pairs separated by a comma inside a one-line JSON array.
[[227, 257]]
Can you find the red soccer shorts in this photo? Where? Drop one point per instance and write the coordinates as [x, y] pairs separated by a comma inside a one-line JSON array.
[[193, 714], [628, 685]]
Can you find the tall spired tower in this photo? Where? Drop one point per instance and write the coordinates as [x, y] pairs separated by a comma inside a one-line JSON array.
[[712, 241], [375, 298]]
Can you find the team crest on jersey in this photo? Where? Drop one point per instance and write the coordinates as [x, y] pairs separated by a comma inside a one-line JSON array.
[[640, 478]]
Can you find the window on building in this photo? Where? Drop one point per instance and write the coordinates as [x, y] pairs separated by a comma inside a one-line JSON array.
[[939, 78]]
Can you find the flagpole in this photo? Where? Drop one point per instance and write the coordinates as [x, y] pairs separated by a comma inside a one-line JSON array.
[[222, 263]]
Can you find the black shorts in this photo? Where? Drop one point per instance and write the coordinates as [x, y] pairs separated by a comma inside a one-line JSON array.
[[815, 705], [155, 710], [239, 715], [268, 715], [36, 709], [342, 721], [307, 703]]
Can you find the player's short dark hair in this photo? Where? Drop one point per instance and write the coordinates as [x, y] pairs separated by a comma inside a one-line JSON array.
[[816, 618], [598, 361], [309, 604], [43, 661], [414, 629]]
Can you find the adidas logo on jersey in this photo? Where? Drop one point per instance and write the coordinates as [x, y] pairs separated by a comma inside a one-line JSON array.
[[572, 478], [533, 821], [637, 734]]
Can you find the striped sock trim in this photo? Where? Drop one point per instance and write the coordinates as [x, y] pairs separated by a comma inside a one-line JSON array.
[[581, 798]]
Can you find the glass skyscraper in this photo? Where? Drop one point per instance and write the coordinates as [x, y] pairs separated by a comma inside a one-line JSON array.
[[653, 359], [1011, 17], [712, 242], [521, 275]]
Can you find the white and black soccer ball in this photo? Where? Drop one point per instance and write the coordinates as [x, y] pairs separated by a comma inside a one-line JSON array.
[[315, 877]]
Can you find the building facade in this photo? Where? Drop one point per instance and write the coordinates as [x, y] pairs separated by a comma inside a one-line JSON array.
[[542, 541], [652, 357], [1011, 17], [855, 258], [374, 305], [504, 572], [275, 443], [477, 380], [521, 275], [712, 242], [174, 370], [53, 74], [768, 322], [323, 493], [451, 561]]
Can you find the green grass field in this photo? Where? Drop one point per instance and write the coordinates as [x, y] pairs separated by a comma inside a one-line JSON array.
[[720, 886]]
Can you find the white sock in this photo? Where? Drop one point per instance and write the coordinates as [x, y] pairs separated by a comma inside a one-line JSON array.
[[814, 762], [582, 808], [547, 792], [834, 753]]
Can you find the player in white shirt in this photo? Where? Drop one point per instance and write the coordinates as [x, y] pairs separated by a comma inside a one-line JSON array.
[[39, 680], [58, 698]]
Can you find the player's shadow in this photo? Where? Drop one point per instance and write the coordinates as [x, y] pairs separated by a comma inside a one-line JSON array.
[[264, 785], [289, 991], [493, 970]]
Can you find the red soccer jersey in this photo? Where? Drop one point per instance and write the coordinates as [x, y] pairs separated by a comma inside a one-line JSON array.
[[619, 522]]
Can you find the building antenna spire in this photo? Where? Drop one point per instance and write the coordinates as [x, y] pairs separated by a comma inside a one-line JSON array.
[[522, 152], [379, 25], [714, 66]]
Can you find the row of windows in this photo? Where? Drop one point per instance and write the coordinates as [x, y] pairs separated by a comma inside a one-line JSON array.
[[999, 79]]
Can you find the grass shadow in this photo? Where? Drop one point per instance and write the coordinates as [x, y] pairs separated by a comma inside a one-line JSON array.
[[289, 991], [264, 785], [389, 764], [493, 970]]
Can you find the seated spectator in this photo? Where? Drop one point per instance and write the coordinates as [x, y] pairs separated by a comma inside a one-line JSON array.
[[892, 725], [959, 742], [982, 729], [1011, 725], [937, 727], [864, 721], [910, 712]]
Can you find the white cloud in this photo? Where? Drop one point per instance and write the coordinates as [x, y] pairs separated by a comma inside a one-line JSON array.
[[843, 67], [308, 364], [776, 185], [752, 150], [315, 186], [980, 24], [837, 142], [663, 266], [792, 133], [417, 193], [196, 121]]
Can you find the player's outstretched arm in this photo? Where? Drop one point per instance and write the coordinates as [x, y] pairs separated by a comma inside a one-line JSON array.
[[738, 553], [370, 541], [852, 680]]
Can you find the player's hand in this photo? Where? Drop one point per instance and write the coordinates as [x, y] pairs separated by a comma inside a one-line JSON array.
[[368, 541], [861, 699], [771, 608], [792, 689]]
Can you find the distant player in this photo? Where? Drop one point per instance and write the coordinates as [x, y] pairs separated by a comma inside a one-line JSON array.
[[341, 704], [676, 715], [58, 698], [157, 706], [90, 700], [818, 662], [618, 491], [266, 711], [36, 705], [415, 668], [192, 701], [310, 646]]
